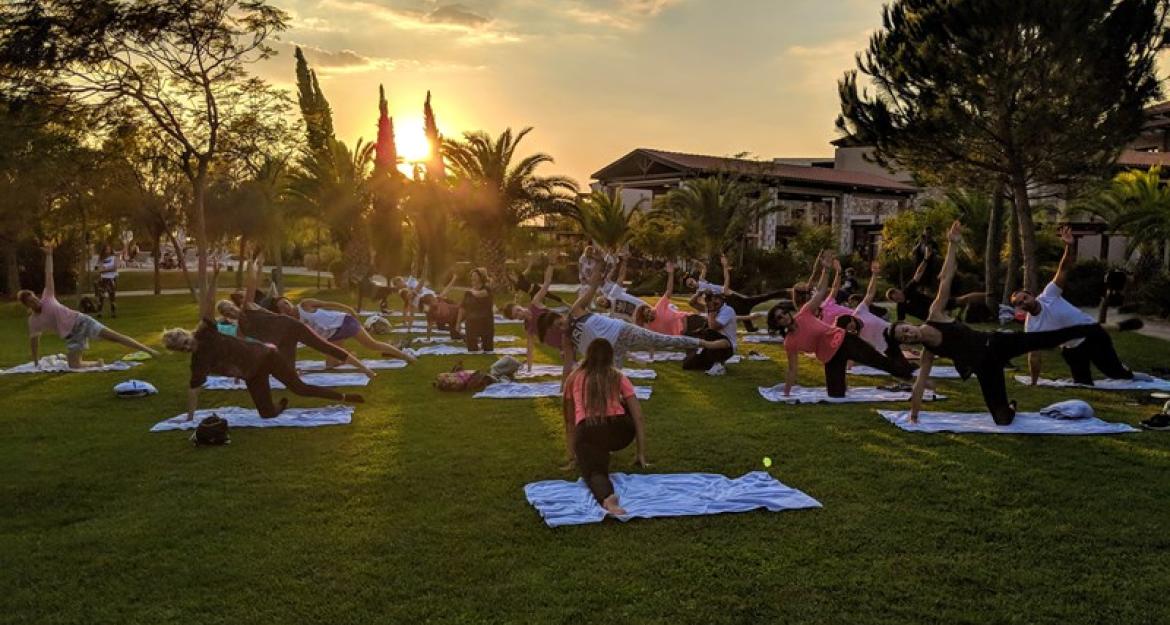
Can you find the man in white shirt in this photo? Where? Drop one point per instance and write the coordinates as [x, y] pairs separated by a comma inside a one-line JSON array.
[[1050, 311], [721, 324]]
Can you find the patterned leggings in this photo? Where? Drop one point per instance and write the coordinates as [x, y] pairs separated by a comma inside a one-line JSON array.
[[634, 338]]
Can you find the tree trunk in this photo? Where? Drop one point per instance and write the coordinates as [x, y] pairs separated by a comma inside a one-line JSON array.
[[199, 193], [991, 264], [278, 262], [240, 265], [1027, 229], [12, 280], [182, 258], [157, 260], [496, 261], [1014, 260]]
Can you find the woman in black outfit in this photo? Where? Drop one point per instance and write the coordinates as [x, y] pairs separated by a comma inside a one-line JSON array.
[[478, 314], [983, 354]]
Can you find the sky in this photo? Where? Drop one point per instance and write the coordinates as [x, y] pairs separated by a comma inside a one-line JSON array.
[[594, 78]]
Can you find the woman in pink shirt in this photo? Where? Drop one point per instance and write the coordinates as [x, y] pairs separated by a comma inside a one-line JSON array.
[[602, 415], [832, 346], [667, 318], [46, 314]]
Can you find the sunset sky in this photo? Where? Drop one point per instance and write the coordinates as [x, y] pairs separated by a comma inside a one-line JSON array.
[[596, 78]]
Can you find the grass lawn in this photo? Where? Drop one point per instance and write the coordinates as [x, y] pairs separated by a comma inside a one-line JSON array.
[[144, 280], [415, 512]]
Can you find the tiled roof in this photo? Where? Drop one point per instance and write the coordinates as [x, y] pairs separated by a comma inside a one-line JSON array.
[[1145, 160]]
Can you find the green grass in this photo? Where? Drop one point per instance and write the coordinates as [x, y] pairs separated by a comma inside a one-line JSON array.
[[415, 512], [144, 280]]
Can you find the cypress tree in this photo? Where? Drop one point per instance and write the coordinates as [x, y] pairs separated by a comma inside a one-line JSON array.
[[386, 219]]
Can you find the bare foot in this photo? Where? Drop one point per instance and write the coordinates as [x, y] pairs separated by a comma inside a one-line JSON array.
[[611, 506]]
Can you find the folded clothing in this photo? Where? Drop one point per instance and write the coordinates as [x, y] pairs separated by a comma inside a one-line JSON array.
[[1069, 409], [248, 418], [561, 502], [544, 371], [223, 383], [982, 423], [319, 365], [58, 363], [1140, 382], [530, 390], [855, 394], [945, 372]]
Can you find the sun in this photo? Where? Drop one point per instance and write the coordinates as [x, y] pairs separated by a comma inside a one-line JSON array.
[[412, 143]]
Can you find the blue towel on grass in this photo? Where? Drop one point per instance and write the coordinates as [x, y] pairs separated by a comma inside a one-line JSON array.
[[660, 495]]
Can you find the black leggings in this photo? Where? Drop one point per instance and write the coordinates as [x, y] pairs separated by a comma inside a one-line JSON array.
[[856, 349], [743, 304], [107, 287], [531, 288], [287, 347], [1097, 349], [1003, 346], [480, 334], [594, 440], [704, 359], [261, 391]]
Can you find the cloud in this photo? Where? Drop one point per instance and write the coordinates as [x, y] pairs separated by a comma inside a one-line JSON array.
[[333, 62], [456, 19], [619, 14], [817, 67]]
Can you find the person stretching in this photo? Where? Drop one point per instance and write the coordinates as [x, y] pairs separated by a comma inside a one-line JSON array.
[[530, 315], [619, 303], [46, 314], [107, 282], [832, 346], [981, 353], [602, 415], [740, 303], [281, 331], [440, 312], [478, 313], [719, 324], [874, 329], [213, 353], [667, 318], [336, 322], [580, 327], [524, 285], [1050, 311]]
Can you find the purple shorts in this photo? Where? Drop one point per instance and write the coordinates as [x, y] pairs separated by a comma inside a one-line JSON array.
[[349, 329]]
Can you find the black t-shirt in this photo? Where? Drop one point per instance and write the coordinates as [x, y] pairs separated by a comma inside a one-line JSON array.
[[220, 354], [477, 308], [269, 327], [966, 347]]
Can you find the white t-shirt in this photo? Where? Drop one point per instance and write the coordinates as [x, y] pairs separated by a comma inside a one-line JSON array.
[[727, 317], [1055, 314], [622, 305], [584, 330], [873, 327], [585, 265], [323, 321], [110, 268], [707, 287], [421, 293], [411, 282]]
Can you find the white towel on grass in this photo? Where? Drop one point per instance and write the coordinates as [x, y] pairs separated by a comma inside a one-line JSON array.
[[437, 340], [738, 358], [544, 371], [392, 313], [319, 365], [248, 418], [223, 383], [644, 357], [665, 495], [57, 363], [763, 338], [1146, 383], [981, 423], [532, 390], [945, 372], [450, 350], [855, 394]]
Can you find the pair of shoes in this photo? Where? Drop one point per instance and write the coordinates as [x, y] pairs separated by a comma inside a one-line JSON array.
[[717, 369], [1159, 422]]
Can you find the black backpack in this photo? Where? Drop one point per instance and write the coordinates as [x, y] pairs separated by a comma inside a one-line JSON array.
[[211, 430]]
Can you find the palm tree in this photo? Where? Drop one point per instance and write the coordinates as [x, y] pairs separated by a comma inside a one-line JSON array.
[[333, 186], [606, 220], [1138, 204], [493, 195], [714, 212]]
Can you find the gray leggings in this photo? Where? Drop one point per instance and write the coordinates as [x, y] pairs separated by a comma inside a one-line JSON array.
[[633, 338]]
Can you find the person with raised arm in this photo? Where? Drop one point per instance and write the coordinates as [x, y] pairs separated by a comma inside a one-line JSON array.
[[336, 322], [618, 302], [47, 314], [530, 315], [214, 353], [1050, 311], [479, 313], [525, 285], [984, 354], [740, 303], [804, 332]]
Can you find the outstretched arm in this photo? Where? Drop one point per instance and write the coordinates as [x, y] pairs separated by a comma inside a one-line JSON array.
[[822, 292], [924, 365], [938, 310], [316, 303], [623, 262], [790, 377], [207, 306], [581, 306], [920, 270], [836, 277], [538, 299], [726, 273], [50, 285], [812, 277], [1066, 260], [870, 291], [446, 289], [669, 280]]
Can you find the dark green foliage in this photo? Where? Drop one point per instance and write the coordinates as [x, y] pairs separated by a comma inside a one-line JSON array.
[[1086, 282], [315, 109], [1153, 297]]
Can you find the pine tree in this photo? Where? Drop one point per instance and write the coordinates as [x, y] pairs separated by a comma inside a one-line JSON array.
[[314, 108], [435, 168], [386, 221]]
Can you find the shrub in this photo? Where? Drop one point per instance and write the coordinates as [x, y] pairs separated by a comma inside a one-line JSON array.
[[1153, 297], [66, 259], [1085, 282]]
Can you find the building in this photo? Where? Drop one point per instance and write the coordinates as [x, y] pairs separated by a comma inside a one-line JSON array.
[[808, 191]]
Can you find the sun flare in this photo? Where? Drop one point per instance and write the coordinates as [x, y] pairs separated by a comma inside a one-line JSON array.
[[412, 142]]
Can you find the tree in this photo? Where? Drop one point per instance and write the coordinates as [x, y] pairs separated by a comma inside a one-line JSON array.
[[183, 63], [1138, 204], [1036, 93], [333, 185], [315, 109], [717, 211], [606, 220], [495, 195], [386, 184]]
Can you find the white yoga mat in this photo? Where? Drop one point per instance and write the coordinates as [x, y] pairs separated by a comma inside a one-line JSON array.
[[855, 394], [375, 364], [392, 313], [531, 390], [562, 503], [763, 338], [945, 372], [221, 383], [644, 357], [450, 350], [248, 418], [1151, 384], [57, 363], [981, 423], [738, 358], [545, 371], [439, 340]]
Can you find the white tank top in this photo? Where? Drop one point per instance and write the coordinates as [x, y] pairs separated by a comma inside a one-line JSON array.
[[322, 321]]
